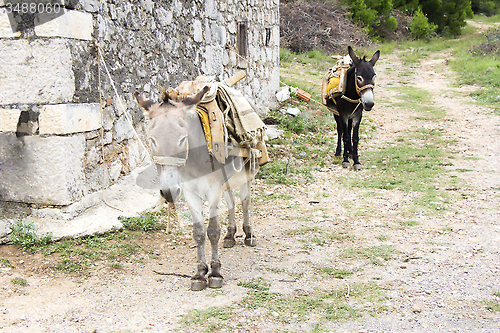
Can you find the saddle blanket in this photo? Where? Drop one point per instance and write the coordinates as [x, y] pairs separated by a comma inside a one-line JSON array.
[[229, 120]]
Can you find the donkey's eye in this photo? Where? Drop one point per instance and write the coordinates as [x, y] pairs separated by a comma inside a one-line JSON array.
[[360, 80]]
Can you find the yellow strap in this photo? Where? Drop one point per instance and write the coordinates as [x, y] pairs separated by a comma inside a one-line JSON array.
[[206, 127]]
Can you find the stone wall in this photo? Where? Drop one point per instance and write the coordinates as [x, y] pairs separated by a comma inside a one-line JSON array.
[[70, 141]]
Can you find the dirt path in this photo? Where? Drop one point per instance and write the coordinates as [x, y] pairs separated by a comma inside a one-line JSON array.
[[445, 270]]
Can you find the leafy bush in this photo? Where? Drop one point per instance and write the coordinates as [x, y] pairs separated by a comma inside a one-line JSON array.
[[448, 15], [486, 7], [146, 222], [24, 236], [420, 27]]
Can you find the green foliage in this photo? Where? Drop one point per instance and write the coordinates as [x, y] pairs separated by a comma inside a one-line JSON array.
[[485, 7], [322, 305], [373, 253], [337, 273], [146, 222], [212, 319], [4, 262], [20, 282], [24, 236], [420, 27], [448, 16], [478, 63]]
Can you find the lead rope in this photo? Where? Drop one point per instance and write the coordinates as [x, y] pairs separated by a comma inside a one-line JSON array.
[[123, 109], [102, 137]]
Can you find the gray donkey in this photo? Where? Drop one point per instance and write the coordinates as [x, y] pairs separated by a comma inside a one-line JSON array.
[[183, 162]]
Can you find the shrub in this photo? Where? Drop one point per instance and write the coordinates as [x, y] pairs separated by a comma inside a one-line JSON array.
[[146, 222], [24, 236], [420, 27]]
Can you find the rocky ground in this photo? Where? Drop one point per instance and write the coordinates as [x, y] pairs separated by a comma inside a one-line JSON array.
[[443, 276]]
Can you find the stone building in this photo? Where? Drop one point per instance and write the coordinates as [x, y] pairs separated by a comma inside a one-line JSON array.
[[70, 140]]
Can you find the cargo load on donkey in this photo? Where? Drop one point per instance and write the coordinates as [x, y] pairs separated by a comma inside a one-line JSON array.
[[334, 81], [232, 126]]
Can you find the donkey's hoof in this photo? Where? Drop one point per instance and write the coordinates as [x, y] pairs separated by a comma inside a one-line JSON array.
[[251, 241], [228, 243], [215, 282], [197, 285], [345, 165], [357, 167]]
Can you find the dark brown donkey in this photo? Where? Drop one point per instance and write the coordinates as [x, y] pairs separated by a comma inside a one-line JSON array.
[[358, 96]]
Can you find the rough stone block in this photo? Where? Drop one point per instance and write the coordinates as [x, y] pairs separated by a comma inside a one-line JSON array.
[[42, 170], [122, 130], [72, 24], [5, 25], [9, 119], [38, 71], [69, 118]]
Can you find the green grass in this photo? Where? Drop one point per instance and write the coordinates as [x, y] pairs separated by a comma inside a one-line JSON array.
[[493, 305], [318, 307], [410, 223], [20, 282], [4, 262], [145, 222], [415, 163], [24, 236], [337, 273], [373, 253], [213, 319]]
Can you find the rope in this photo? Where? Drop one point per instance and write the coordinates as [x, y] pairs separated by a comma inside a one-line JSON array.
[[335, 112], [102, 137], [123, 109]]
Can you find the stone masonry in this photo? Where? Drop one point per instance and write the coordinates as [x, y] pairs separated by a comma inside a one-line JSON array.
[[59, 139]]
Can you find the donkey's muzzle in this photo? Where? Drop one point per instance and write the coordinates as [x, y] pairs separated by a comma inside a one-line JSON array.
[[171, 195], [368, 106]]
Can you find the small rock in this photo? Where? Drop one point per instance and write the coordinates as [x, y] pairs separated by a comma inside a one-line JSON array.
[[283, 94], [319, 113], [293, 111], [416, 308]]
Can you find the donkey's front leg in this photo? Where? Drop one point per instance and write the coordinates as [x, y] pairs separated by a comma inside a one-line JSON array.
[[198, 281], [355, 140], [215, 279], [347, 142]]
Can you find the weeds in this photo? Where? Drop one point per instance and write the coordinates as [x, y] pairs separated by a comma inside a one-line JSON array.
[[20, 282], [146, 222], [336, 273], [4, 262], [25, 237], [374, 253], [322, 306], [210, 320]]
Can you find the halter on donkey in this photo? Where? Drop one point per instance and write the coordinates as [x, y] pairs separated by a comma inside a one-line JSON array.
[[348, 107]]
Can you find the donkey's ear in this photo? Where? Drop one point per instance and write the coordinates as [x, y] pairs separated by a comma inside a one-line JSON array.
[[196, 98], [374, 59], [355, 60], [143, 103]]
